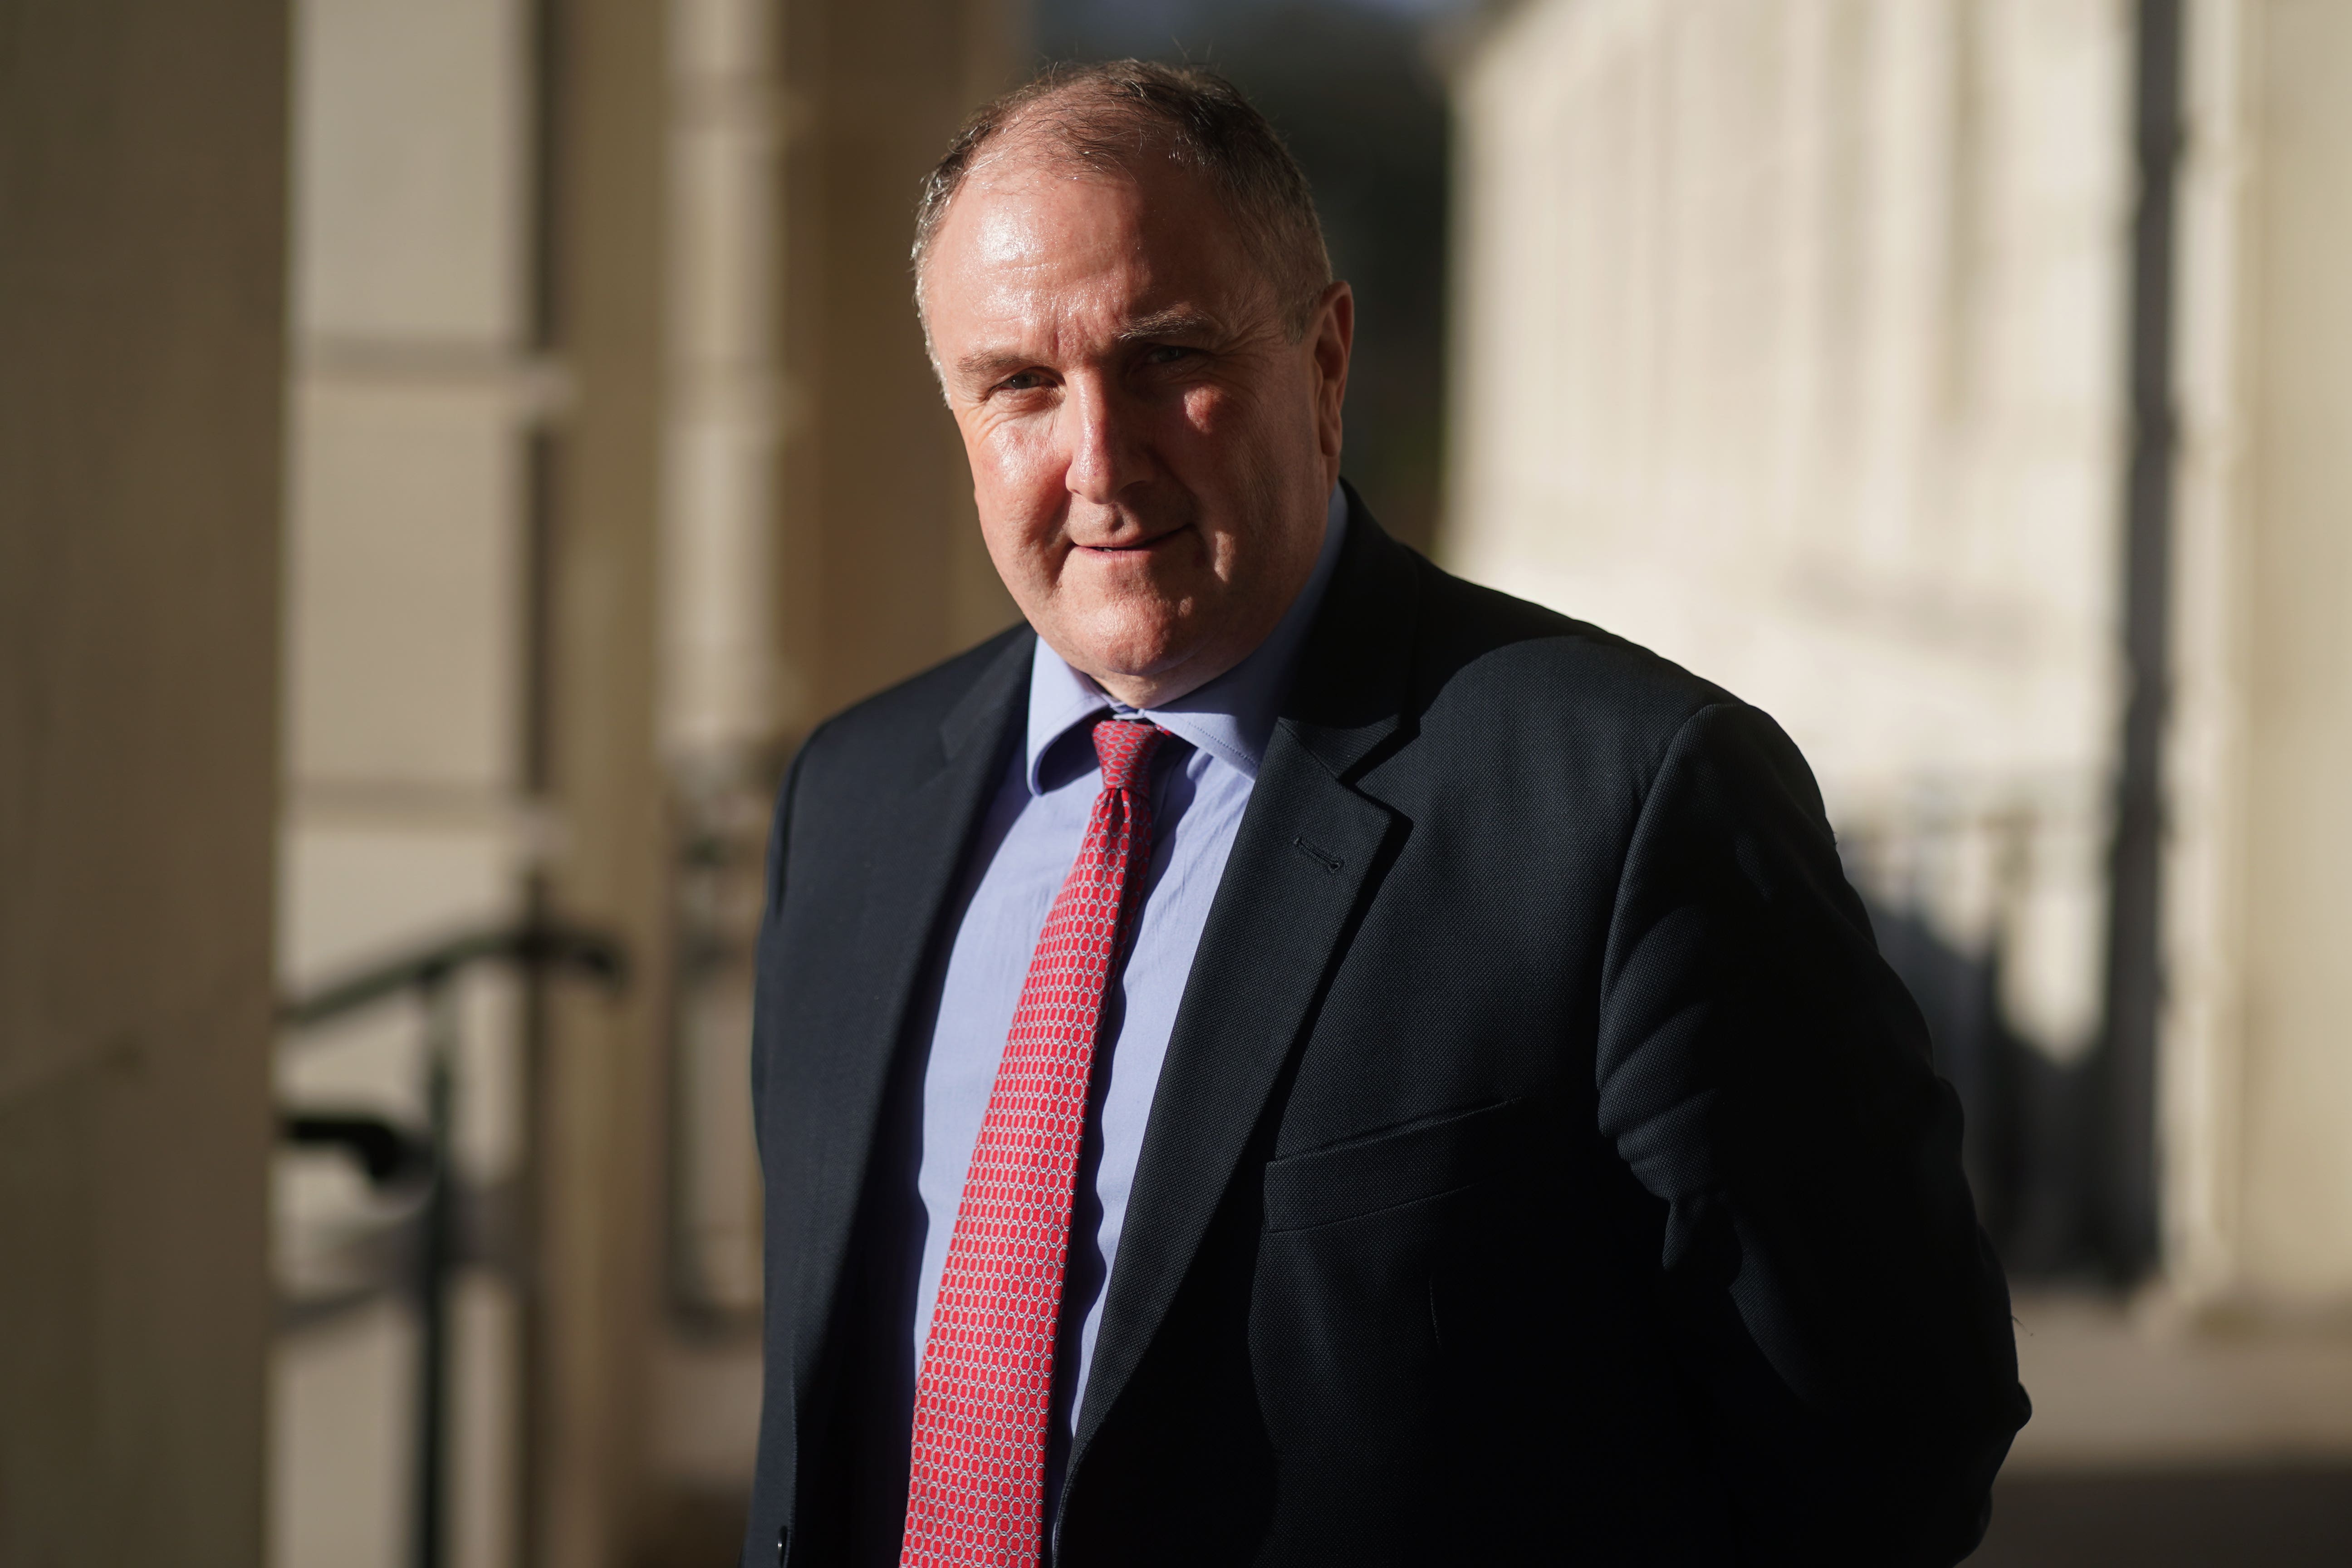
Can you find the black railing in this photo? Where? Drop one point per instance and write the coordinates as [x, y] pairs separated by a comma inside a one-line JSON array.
[[392, 1156]]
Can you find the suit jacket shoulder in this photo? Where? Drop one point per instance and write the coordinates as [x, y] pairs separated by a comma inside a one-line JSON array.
[[897, 733], [1487, 660]]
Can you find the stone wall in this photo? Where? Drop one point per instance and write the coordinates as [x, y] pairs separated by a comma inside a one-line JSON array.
[[142, 155]]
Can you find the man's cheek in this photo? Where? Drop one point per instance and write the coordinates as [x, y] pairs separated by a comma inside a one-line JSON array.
[[1018, 502], [1035, 481]]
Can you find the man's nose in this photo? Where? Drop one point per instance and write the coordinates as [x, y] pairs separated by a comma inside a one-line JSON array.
[[1107, 452]]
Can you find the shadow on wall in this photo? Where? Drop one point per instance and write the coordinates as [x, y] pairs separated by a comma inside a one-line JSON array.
[[2032, 1147], [2031, 1143]]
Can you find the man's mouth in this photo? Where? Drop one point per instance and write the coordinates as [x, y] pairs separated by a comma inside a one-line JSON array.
[[1131, 547]]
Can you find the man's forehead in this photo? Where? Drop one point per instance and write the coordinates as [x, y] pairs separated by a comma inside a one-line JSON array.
[[1033, 217], [1099, 238]]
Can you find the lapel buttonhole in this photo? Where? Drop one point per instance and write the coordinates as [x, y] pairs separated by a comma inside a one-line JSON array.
[[1320, 856]]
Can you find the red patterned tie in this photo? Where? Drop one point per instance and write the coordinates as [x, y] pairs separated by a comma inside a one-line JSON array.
[[976, 1491]]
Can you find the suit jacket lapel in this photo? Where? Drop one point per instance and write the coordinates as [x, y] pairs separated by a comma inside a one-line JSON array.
[[913, 867], [1299, 867]]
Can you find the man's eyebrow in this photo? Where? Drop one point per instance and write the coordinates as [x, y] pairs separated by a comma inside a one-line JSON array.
[[987, 365], [1180, 321]]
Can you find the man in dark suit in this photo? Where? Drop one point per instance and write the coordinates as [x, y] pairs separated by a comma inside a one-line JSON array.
[[1290, 1058]]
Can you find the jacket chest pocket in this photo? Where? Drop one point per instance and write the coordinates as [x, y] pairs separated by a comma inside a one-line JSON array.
[[1390, 1170]]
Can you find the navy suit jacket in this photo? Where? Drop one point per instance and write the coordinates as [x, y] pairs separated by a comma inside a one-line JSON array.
[[1544, 1168]]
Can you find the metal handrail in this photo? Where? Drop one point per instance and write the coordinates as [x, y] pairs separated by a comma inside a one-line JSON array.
[[389, 1153], [541, 944]]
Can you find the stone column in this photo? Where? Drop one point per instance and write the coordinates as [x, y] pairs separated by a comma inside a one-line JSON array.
[[142, 158], [600, 1175], [880, 566], [758, 511], [2257, 1077]]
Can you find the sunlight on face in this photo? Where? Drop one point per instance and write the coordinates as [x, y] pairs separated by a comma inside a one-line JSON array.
[[1151, 450]]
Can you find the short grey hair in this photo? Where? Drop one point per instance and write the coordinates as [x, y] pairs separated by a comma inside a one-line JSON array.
[[1116, 112]]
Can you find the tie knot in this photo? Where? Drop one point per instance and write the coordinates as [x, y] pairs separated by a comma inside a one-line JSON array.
[[1124, 746]]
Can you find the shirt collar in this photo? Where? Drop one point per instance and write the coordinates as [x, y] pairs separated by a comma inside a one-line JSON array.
[[1231, 718]]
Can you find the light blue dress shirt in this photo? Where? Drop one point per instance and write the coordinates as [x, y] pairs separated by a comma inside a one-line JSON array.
[[1028, 840]]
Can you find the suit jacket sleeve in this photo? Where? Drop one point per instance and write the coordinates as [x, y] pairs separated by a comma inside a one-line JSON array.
[[1765, 1078]]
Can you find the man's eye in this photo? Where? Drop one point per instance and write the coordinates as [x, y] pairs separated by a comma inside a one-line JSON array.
[[1021, 381], [1166, 353]]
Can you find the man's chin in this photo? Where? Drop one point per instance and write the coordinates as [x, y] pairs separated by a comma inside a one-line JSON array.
[[1129, 665], [1130, 657]]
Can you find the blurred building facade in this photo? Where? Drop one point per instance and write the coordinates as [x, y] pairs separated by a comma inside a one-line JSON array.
[[1949, 380], [562, 352], [614, 463], [419, 383]]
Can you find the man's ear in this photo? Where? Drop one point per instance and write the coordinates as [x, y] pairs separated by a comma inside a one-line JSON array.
[[1331, 338]]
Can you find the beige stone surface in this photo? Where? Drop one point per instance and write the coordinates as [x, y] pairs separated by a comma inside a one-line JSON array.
[[340, 1495], [142, 158], [412, 169], [2298, 1200], [404, 590], [599, 1112], [718, 662], [2258, 1065], [343, 1495], [359, 892]]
